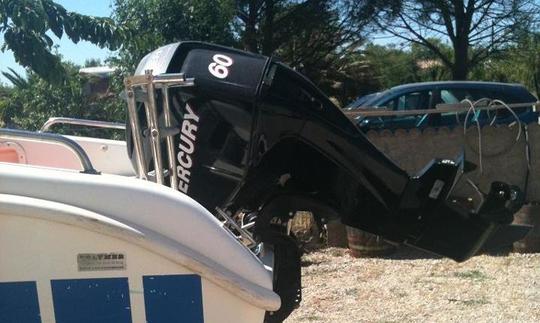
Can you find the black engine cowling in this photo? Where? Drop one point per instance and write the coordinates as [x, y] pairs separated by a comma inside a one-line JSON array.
[[253, 134]]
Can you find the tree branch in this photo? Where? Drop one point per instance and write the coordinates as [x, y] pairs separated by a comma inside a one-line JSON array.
[[420, 41]]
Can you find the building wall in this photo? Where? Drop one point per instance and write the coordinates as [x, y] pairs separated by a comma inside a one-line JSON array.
[[503, 157]]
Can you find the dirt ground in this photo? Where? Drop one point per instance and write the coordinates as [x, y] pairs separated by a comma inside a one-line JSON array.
[[412, 286]]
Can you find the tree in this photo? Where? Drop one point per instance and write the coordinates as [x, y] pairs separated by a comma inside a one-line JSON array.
[[350, 76], [15, 78], [4, 96], [393, 65], [151, 24], [475, 29], [265, 25], [310, 35], [32, 100], [25, 25], [518, 64]]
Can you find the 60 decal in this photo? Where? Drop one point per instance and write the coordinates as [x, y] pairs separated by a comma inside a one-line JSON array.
[[219, 68]]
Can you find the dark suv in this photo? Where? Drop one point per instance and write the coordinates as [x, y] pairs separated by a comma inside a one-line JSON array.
[[419, 96]]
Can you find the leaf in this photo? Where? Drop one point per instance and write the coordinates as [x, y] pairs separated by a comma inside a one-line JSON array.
[[15, 78], [55, 19], [48, 40], [31, 51]]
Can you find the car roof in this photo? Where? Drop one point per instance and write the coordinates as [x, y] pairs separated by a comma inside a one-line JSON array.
[[400, 89], [471, 84]]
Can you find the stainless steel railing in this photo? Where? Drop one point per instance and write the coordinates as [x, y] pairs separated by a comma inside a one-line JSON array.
[[143, 89], [11, 134], [82, 122], [440, 108]]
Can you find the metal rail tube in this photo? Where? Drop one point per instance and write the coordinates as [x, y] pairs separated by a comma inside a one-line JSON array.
[[173, 80], [233, 223], [173, 175], [151, 115], [82, 122], [143, 88], [458, 108], [135, 131], [11, 134]]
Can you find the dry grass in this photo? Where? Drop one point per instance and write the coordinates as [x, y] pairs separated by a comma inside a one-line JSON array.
[[411, 287]]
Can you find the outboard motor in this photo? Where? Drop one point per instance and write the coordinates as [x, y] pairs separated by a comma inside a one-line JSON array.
[[254, 141]]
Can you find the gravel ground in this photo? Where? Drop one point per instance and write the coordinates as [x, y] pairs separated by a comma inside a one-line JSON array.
[[411, 286]]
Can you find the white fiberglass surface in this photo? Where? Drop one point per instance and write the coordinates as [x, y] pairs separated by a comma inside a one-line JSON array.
[[107, 156], [139, 204]]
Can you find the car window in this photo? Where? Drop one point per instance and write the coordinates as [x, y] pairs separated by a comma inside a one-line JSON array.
[[507, 96], [446, 94], [361, 101], [448, 97], [451, 96], [390, 105], [477, 94], [409, 101], [456, 95]]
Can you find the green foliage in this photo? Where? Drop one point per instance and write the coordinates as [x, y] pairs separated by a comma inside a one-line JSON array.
[[92, 62], [296, 30], [150, 24], [29, 106], [15, 78], [311, 36], [393, 66], [321, 38], [4, 96], [25, 23], [519, 63], [348, 77], [476, 29], [4, 91]]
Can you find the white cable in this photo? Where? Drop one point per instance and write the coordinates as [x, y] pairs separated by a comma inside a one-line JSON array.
[[472, 108], [496, 101]]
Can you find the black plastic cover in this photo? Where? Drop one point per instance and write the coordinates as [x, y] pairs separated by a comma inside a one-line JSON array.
[[253, 131]]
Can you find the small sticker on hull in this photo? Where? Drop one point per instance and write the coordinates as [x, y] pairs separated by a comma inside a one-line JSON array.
[[101, 261]]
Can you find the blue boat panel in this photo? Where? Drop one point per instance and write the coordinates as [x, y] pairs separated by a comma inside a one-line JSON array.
[[19, 303], [103, 300], [173, 298]]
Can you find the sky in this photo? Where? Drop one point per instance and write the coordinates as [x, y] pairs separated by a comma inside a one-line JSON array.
[[77, 53], [80, 52]]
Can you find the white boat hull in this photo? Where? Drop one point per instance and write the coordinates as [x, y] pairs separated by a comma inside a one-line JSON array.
[[150, 289], [67, 263]]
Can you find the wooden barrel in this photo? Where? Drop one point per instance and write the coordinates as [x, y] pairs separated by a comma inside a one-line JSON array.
[[529, 214], [336, 234], [363, 244]]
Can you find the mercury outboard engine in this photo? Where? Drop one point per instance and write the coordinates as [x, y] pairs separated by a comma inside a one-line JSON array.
[[254, 141]]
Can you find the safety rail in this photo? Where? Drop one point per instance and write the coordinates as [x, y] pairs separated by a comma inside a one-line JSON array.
[[440, 108], [81, 122], [142, 89], [11, 134]]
